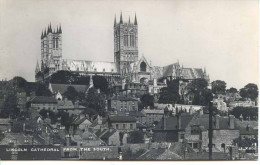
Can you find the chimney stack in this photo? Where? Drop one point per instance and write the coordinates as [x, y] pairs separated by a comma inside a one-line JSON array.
[[201, 112], [247, 127], [99, 120], [231, 122], [76, 105], [68, 139]]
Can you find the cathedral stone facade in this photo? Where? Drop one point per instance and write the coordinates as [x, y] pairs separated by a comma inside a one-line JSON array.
[[128, 71]]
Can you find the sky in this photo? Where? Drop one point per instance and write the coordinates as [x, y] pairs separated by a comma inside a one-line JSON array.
[[219, 35]]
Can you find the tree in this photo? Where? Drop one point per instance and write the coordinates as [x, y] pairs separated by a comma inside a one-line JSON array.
[[101, 83], [232, 90], [202, 95], [147, 100], [42, 90], [170, 94], [19, 82], [65, 118], [96, 101], [63, 77], [218, 87], [48, 114], [135, 137], [246, 112], [82, 80], [10, 106], [249, 91], [71, 94]]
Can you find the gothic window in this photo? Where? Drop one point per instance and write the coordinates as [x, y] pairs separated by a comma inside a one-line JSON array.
[[57, 43], [143, 67], [125, 40], [132, 41], [53, 43]]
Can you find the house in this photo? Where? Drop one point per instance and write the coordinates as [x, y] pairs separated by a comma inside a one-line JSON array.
[[193, 128], [168, 128], [81, 123], [224, 132], [188, 108], [19, 139], [99, 123], [241, 103], [134, 88], [68, 106], [155, 86], [122, 123], [122, 103], [248, 139], [59, 89], [21, 100], [139, 115], [43, 103], [152, 116], [5, 124], [109, 136], [220, 105]]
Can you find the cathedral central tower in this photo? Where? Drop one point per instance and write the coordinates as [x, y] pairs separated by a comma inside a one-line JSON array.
[[125, 42]]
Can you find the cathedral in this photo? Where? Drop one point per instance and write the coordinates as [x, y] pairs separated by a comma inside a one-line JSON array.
[[129, 71]]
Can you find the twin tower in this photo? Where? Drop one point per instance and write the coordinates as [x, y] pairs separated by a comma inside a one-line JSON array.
[[125, 46], [125, 42]]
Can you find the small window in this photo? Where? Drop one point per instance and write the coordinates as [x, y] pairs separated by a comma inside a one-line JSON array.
[[104, 70], [123, 126], [116, 126], [181, 136], [131, 126], [195, 145]]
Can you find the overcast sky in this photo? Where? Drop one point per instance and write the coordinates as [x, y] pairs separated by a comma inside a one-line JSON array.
[[219, 35]]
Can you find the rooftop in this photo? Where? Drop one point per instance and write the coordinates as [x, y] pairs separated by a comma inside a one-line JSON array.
[[122, 119], [43, 100]]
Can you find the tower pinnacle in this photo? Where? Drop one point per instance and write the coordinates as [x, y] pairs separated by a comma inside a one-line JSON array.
[[115, 22], [50, 28], [60, 31], [135, 20], [121, 19], [42, 35]]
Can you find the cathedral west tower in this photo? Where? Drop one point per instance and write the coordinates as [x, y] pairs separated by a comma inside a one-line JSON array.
[[51, 50], [125, 42]]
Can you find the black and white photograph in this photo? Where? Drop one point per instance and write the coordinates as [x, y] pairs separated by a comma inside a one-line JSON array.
[[129, 80]]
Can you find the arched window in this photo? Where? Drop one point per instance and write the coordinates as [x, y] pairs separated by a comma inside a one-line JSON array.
[[143, 67], [125, 40], [132, 41], [57, 45], [53, 43]]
